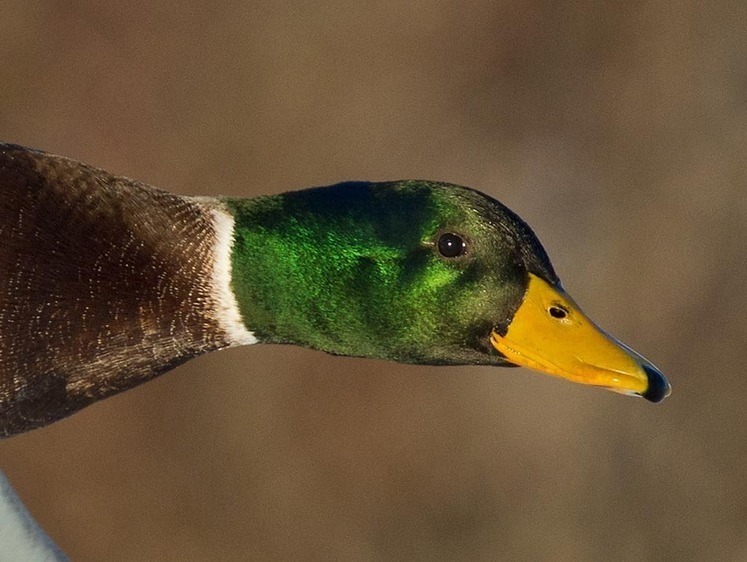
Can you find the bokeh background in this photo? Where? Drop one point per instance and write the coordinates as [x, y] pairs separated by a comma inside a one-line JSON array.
[[616, 129]]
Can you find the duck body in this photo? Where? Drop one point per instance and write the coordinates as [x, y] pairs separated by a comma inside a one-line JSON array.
[[108, 282]]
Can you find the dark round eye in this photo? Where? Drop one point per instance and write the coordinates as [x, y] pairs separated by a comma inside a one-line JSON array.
[[558, 312], [451, 245]]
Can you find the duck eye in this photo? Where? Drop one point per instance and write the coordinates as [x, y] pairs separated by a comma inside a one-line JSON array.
[[451, 245], [558, 312]]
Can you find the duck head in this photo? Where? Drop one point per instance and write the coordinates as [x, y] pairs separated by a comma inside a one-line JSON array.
[[418, 272]]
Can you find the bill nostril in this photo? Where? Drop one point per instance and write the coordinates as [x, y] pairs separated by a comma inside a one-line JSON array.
[[557, 312]]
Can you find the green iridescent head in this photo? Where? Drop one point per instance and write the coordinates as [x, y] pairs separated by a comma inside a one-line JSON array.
[[412, 271], [417, 272]]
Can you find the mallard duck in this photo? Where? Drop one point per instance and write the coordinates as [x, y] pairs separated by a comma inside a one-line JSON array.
[[108, 282]]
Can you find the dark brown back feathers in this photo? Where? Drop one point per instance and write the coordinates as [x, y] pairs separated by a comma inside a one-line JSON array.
[[103, 285]]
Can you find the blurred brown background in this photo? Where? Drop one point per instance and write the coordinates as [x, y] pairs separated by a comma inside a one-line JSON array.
[[617, 130]]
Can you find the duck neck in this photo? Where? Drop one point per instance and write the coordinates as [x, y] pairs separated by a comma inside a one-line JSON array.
[[340, 270], [293, 284]]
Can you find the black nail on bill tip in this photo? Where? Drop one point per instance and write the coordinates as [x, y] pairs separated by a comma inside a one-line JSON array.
[[658, 387]]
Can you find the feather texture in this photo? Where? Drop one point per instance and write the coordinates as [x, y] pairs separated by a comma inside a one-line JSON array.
[[103, 285]]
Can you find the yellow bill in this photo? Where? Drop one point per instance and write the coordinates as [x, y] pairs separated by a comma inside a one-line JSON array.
[[550, 334]]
